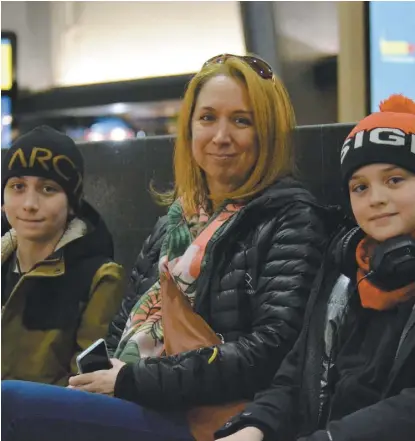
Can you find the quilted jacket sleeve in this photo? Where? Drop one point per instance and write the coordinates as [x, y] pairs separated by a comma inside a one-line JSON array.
[[289, 252], [143, 275], [274, 410]]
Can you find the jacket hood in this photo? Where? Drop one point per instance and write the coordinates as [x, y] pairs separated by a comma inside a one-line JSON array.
[[85, 236], [288, 190], [281, 191], [96, 242]]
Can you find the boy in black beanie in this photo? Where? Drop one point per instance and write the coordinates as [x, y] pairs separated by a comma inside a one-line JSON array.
[[60, 287]]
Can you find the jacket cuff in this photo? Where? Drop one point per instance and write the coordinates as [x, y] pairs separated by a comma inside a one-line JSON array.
[[238, 423], [125, 384]]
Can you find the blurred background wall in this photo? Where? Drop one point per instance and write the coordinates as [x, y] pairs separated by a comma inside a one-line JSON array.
[[118, 70], [307, 41], [76, 43], [32, 23], [98, 42]]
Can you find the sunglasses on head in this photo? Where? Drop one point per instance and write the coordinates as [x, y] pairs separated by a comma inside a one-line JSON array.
[[262, 68]]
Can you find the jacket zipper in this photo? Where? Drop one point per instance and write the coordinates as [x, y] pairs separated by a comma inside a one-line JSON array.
[[408, 327], [212, 246], [20, 281]]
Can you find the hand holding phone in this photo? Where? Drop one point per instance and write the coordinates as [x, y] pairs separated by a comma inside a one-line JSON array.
[[94, 358], [100, 382]]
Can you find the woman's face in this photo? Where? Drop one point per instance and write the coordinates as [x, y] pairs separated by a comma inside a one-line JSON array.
[[223, 134], [383, 200], [36, 208]]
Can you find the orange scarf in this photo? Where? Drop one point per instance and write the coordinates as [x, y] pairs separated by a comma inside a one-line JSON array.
[[371, 296]]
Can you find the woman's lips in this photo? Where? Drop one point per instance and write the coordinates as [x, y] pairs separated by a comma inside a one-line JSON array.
[[222, 156]]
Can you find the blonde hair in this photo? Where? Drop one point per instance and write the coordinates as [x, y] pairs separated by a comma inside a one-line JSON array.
[[274, 120]]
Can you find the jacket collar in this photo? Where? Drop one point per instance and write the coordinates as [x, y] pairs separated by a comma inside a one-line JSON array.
[[76, 228]]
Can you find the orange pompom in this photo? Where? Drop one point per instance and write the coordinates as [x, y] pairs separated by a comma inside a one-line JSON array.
[[398, 104]]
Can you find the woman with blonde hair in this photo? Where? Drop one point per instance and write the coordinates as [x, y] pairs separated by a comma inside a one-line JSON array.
[[242, 241]]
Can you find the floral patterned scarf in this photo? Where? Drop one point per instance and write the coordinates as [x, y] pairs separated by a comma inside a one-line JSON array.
[[182, 256]]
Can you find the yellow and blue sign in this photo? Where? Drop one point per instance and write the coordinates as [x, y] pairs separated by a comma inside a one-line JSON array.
[[6, 64], [397, 48], [391, 50]]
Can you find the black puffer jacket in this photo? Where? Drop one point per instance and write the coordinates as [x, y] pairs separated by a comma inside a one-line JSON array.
[[299, 402], [253, 292]]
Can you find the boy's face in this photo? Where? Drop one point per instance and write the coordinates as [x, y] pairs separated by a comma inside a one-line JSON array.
[[383, 200], [36, 208]]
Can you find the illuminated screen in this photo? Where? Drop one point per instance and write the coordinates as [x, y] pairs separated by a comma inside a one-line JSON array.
[[6, 64], [392, 50], [6, 121]]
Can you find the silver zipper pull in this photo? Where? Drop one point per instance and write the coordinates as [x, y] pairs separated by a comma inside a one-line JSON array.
[[222, 340], [248, 280]]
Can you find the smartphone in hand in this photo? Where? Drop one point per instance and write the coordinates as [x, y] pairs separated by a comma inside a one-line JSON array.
[[94, 358]]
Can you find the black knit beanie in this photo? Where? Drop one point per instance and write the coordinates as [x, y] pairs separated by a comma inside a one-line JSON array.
[[47, 153]]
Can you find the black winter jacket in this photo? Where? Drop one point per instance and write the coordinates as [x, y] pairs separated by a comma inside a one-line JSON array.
[[298, 404], [252, 292]]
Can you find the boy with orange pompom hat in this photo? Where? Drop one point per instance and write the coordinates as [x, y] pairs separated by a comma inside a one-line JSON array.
[[351, 375]]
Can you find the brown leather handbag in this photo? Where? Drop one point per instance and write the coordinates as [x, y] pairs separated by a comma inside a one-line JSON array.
[[184, 330]]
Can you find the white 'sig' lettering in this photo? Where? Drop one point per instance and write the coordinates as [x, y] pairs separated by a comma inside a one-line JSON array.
[[383, 136]]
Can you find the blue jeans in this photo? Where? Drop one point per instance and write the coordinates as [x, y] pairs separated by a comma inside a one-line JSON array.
[[40, 412]]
